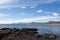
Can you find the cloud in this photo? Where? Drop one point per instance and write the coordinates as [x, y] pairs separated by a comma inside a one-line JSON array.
[[39, 11], [35, 19], [23, 7], [55, 14], [32, 7], [3, 15], [7, 22], [4, 1], [22, 3]]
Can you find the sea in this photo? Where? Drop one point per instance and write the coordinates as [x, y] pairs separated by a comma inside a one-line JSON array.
[[42, 29]]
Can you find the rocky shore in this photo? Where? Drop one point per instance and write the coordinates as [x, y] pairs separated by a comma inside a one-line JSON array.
[[25, 34]]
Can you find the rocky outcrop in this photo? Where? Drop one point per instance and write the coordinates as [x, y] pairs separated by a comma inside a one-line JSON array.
[[25, 34]]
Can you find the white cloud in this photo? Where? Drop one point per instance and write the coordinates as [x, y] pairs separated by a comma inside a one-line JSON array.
[[32, 7], [35, 19], [39, 11], [4, 1], [22, 3], [55, 14], [3, 15], [6, 22], [23, 7]]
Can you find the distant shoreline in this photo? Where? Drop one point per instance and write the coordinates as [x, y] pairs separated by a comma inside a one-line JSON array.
[[53, 24]]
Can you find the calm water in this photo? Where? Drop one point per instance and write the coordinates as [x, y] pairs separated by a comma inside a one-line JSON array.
[[42, 29]]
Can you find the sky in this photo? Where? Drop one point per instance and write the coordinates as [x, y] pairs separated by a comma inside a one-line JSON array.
[[15, 11]]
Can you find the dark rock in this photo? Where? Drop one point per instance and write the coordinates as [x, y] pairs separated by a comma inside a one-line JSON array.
[[25, 34]]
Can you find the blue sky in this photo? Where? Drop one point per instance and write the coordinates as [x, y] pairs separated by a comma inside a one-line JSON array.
[[14, 11]]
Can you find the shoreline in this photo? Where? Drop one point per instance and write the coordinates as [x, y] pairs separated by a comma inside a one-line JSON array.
[[53, 24], [25, 34]]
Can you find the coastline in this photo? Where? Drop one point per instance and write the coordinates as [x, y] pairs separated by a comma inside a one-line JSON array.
[[25, 34], [53, 24]]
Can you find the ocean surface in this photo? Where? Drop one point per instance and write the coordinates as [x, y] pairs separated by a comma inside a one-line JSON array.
[[42, 29]]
